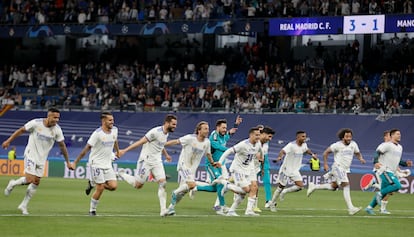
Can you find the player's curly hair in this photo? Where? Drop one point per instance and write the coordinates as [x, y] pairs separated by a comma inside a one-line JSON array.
[[343, 131]]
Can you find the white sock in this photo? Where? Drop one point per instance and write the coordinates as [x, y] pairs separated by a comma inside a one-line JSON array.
[[217, 203], [235, 188], [30, 191], [276, 193], [20, 181], [377, 186], [179, 193], [93, 184], [326, 186], [236, 202], [291, 189], [255, 202], [183, 188], [384, 205], [128, 178], [250, 204], [162, 196], [347, 196], [93, 204], [199, 183]]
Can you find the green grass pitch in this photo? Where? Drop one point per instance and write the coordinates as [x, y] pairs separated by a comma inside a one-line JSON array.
[[60, 208]]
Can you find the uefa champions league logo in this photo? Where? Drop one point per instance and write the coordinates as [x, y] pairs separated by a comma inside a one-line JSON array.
[[67, 29], [124, 29], [184, 28], [11, 32], [247, 27]]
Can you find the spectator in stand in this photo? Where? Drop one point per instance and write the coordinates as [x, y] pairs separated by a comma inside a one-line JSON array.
[[199, 10], [40, 17], [251, 11], [151, 13], [82, 17], [345, 8], [188, 14], [373, 7], [355, 7], [163, 14], [314, 105], [408, 7], [324, 8], [133, 13]]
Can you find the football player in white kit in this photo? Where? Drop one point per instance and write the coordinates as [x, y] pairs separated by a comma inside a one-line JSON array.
[[149, 161], [344, 151], [241, 170], [292, 155], [261, 168], [387, 165], [101, 144], [43, 134], [194, 148]]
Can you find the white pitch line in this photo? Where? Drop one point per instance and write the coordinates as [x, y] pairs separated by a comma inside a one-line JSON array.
[[278, 214], [209, 216]]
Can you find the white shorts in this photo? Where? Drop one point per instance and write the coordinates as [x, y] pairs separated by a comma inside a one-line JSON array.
[[283, 178], [186, 174], [339, 175], [144, 169], [100, 176], [253, 175], [33, 167], [377, 176], [241, 179]]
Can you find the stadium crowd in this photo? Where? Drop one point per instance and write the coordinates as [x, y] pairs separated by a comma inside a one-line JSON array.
[[82, 11], [257, 78], [329, 82]]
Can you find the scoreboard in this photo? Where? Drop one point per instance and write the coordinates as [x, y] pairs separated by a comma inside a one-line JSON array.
[[354, 24], [369, 24]]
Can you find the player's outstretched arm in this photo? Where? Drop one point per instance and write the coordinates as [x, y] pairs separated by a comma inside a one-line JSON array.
[[325, 158], [16, 134], [133, 146], [84, 151]]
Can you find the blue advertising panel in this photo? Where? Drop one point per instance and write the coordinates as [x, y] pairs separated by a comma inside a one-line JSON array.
[[155, 28], [399, 23], [248, 27], [305, 26], [186, 27], [126, 29]]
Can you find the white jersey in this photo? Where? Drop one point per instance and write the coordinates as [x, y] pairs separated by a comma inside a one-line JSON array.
[[293, 158], [265, 148], [390, 155], [102, 144], [245, 153], [343, 154], [192, 152], [152, 150], [41, 139], [257, 166]]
